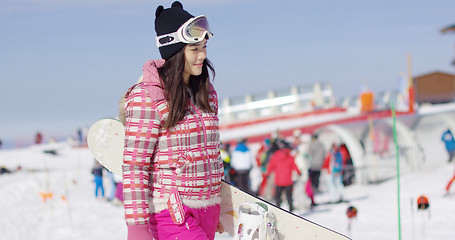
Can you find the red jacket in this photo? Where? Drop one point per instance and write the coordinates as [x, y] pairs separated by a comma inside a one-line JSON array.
[[282, 163], [344, 154]]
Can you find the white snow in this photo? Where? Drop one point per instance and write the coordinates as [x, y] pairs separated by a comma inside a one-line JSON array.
[[81, 216]]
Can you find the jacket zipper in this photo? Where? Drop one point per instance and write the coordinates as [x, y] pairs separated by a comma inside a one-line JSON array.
[[205, 144]]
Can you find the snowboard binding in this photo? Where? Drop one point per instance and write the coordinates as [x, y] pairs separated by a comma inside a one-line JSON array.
[[255, 222]]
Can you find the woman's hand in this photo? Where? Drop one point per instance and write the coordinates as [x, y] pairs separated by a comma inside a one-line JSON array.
[[220, 228]]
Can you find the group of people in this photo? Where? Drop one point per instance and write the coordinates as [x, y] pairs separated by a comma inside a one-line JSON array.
[[333, 166], [276, 162], [250, 172]]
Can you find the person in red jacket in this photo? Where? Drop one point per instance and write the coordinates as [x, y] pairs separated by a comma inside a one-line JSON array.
[[282, 163]]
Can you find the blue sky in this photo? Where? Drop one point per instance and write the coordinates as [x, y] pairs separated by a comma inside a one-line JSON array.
[[65, 64]]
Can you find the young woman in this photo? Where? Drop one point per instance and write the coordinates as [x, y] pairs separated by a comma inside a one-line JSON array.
[[172, 172]]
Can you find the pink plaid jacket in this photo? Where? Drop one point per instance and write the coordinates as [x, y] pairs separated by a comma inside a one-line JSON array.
[[158, 161]]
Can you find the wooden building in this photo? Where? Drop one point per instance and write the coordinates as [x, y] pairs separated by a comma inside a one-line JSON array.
[[435, 87]]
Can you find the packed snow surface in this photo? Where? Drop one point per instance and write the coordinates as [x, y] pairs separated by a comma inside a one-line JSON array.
[[73, 212]]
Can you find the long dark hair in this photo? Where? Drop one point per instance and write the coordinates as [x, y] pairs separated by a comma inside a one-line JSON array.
[[176, 91]]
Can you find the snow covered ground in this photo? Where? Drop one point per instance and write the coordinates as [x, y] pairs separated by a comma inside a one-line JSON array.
[[74, 213]]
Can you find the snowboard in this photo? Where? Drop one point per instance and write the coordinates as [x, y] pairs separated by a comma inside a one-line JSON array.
[[106, 139]]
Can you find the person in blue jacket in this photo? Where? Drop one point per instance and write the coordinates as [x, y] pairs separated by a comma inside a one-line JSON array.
[[242, 163], [97, 171], [449, 141]]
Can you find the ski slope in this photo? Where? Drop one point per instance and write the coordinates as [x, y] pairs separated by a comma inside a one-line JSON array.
[[74, 213]]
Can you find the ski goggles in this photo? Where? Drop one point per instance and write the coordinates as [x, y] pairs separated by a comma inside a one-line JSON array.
[[192, 31]]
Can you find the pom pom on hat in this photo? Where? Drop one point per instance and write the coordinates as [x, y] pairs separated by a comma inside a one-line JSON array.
[[168, 21]]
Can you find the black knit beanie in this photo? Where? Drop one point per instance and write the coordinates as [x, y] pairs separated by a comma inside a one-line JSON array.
[[168, 21]]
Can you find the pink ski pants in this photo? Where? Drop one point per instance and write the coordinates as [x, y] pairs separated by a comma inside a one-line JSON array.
[[200, 224]]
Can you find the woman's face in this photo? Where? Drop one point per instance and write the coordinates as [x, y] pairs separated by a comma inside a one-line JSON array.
[[195, 55]]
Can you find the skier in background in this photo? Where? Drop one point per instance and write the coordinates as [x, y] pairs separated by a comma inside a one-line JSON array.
[[449, 141], [97, 171], [333, 165], [261, 156], [348, 172], [242, 163], [274, 144], [316, 154], [80, 136], [283, 164]]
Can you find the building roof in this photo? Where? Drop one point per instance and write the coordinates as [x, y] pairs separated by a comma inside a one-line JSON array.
[[434, 73]]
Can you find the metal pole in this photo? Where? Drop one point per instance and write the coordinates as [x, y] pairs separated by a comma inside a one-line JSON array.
[[398, 168]]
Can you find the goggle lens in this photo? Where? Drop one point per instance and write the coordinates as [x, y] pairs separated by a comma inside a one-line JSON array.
[[198, 28]]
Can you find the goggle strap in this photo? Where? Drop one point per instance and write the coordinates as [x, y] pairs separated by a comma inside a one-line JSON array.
[[167, 39]]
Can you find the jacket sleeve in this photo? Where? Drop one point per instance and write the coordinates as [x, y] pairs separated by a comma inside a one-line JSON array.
[[141, 131]]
